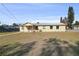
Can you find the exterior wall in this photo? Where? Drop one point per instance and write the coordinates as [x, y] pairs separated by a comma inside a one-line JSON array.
[[20, 29], [23, 29], [47, 29], [76, 28], [44, 29], [62, 28]]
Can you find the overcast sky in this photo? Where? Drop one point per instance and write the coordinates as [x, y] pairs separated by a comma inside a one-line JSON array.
[[37, 12]]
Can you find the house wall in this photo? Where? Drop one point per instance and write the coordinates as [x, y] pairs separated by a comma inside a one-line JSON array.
[[47, 29], [44, 29], [76, 27], [23, 29]]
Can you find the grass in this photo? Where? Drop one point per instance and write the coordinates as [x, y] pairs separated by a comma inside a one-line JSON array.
[[16, 49], [9, 42], [2, 33], [26, 37], [55, 47]]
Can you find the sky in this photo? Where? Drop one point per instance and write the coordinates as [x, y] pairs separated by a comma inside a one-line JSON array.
[[35, 12]]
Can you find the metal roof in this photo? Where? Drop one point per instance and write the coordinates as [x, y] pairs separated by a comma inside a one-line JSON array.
[[45, 24]]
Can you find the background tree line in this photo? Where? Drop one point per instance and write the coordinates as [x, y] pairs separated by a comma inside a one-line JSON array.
[[9, 28]]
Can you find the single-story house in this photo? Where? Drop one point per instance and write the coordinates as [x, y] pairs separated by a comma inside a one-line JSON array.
[[43, 27], [76, 27]]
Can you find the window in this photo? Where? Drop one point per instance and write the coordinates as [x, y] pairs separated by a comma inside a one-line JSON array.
[[36, 27], [51, 27], [57, 27]]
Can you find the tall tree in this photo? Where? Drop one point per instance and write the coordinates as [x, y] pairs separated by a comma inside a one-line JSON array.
[[70, 17], [61, 19], [65, 18]]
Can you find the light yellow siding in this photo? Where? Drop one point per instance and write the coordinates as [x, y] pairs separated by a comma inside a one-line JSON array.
[[23, 29], [76, 28], [47, 29], [43, 28]]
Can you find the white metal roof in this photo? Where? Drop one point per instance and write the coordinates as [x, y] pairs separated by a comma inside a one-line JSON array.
[[45, 24]]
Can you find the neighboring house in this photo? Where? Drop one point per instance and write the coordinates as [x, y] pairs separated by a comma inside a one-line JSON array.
[[76, 27], [43, 27]]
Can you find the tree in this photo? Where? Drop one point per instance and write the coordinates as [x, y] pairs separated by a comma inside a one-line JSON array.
[[70, 17], [14, 24], [65, 18], [2, 28], [61, 19], [76, 23]]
